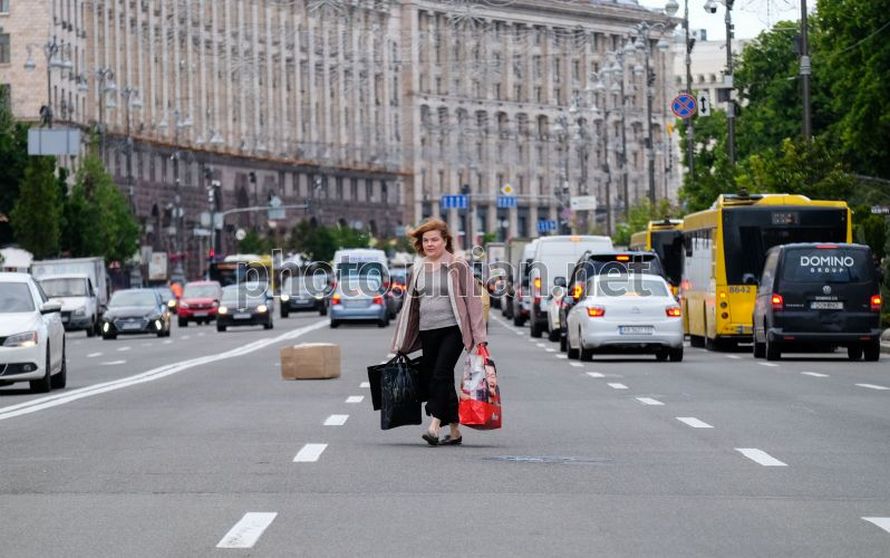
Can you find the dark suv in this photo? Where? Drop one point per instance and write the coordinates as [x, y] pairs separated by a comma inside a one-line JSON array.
[[817, 296], [591, 264]]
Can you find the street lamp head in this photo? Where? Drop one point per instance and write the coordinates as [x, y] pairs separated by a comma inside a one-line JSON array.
[[111, 87], [671, 7], [82, 86], [111, 103], [216, 139], [663, 44], [30, 65], [137, 102], [711, 6], [638, 70]]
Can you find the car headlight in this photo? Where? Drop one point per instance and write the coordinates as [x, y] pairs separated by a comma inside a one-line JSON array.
[[27, 339], [261, 308], [106, 326], [82, 311], [284, 298], [223, 310], [171, 304]]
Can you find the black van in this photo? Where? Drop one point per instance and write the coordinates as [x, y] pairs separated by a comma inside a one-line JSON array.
[[818, 295]]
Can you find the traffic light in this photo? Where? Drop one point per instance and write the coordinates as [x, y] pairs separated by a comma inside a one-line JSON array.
[[211, 196], [211, 254]]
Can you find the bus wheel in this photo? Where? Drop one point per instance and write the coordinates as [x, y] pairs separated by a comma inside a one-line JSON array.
[[772, 350], [696, 341]]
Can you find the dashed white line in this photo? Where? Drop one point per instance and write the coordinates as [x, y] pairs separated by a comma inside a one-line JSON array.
[[873, 386], [168, 341], [576, 364], [94, 355], [146, 344], [733, 357], [595, 375], [694, 422], [540, 344], [549, 350], [390, 355], [336, 420], [617, 386], [562, 357], [365, 385], [355, 398], [649, 401], [815, 374], [201, 334], [768, 364], [122, 349], [248, 531], [186, 337], [761, 457], [113, 362], [882, 522], [310, 453]]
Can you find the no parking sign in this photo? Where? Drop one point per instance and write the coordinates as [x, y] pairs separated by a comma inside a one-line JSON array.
[[684, 106]]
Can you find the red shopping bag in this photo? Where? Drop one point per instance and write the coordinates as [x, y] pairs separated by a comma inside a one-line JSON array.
[[480, 397]]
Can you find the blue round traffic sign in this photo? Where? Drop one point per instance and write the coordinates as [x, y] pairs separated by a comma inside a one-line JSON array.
[[684, 106]]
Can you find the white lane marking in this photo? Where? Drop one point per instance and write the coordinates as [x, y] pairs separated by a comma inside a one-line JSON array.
[[815, 374], [768, 364], [595, 375], [383, 361], [873, 386], [761, 457], [694, 422], [576, 364], [882, 522], [55, 400], [733, 357], [110, 363], [185, 337], [336, 420], [540, 344], [649, 401], [247, 532], [365, 385], [355, 398], [94, 355], [390, 355], [563, 357], [617, 386], [310, 453], [122, 349], [168, 341], [550, 350], [201, 334], [146, 344]]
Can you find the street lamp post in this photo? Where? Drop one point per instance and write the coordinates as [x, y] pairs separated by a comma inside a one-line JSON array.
[[53, 50], [671, 8], [131, 101], [711, 7], [805, 71], [105, 80], [561, 129], [178, 124]]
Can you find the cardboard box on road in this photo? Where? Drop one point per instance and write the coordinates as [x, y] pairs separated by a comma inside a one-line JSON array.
[[310, 361]]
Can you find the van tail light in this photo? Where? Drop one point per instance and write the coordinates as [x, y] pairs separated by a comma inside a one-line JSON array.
[[876, 303], [596, 311], [673, 312], [777, 301], [537, 300], [577, 290], [377, 300], [335, 300], [538, 284]]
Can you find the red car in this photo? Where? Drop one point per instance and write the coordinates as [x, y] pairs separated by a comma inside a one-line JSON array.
[[199, 302]]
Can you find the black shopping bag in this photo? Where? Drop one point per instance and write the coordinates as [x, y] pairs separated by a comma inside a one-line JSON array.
[[400, 395], [375, 372]]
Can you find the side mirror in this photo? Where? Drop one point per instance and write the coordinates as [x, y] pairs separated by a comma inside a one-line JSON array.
[[560, 282], [50, 307]]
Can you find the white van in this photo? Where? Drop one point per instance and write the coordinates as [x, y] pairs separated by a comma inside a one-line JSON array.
[[521, 292], [553, 261]]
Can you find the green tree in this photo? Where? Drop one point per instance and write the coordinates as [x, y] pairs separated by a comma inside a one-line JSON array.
[[98, 219], [852, 57], [639, 216], [254, 243], [13, 161], [314, 240], [37, 213], [712, 174]]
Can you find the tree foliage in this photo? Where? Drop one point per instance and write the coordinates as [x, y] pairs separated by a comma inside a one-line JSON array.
[[712, 174], [37, 213], [13, 161], [639, 216], [319, 242]]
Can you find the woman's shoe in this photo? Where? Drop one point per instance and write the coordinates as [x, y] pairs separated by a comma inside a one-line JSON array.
[[449, 441], [431, 439]]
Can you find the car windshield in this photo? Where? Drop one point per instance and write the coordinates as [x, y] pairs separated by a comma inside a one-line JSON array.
[[630, 287], [15, 297], [306, 284], [827, 265], [165, 294], [132, 298], [241, 297], [64, 286], [200, 291]]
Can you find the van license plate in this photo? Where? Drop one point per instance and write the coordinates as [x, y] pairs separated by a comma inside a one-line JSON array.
[[635, 330], [826, 305]]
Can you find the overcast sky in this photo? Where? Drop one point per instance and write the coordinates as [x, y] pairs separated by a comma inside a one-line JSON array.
[[750, 17]]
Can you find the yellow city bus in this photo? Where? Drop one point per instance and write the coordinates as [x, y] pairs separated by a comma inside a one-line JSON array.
[[242, 268], [724, 249], [665, 238]]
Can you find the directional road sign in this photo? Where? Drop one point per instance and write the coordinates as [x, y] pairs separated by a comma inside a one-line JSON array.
[[704, 104], [547, 225], [684, 106], [506, 202], [454, 202]]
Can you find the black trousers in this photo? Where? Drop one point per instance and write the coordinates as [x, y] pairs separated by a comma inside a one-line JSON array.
[[441, 350]]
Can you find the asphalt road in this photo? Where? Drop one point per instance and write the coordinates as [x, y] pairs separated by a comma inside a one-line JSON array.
[[188, 448]]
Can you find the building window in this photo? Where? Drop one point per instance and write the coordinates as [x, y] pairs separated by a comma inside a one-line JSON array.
[[4, 6], [4, 47]]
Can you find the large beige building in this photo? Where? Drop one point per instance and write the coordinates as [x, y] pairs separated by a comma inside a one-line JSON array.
[[370, 110]]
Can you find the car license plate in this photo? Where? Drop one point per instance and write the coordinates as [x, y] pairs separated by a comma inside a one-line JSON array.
[[64, 319], [355, 303], [201, 314], [635, 330], [821, 305], [242, 316], [131, 325]]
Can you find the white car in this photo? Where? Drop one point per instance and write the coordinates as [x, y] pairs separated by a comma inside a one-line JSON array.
[[627, 313], [553, 327], [32, 337]]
